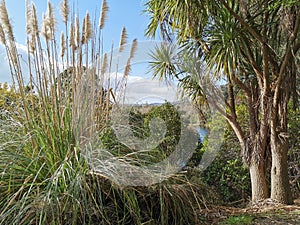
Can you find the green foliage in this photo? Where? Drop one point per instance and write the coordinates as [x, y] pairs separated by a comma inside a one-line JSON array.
[[9, 99], [170, 115], [284, 3], [239, 220], [110, 142], [136, 122], [139, 126], [229, 177], [227, 174]]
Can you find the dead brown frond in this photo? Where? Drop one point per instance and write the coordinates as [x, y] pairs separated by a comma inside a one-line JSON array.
[[244, 7], [287, 20], [103, 15]]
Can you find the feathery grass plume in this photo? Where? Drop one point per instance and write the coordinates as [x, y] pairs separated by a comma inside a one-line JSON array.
[[104, 64], [2, 35], [50, 15], [62, 44], [5, 20], [86, 29], [48, 27], [83, 31], [65, 10], [123, 39], [32, 46], [72, 39], [28, 18], [34, 21], [103, 15], [127, 68], [77, 32], [46, 32], [133, 48]]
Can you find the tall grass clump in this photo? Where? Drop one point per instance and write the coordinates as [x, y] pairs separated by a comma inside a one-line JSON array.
[[44, 176]]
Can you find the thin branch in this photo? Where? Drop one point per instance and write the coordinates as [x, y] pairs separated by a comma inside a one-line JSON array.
[[241, 84]]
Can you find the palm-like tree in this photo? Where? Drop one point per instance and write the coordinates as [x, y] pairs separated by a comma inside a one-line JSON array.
[[253, 44]]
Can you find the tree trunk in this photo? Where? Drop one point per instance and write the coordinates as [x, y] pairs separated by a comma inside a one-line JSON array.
[[258, 181], [280, 187], [253, 151]]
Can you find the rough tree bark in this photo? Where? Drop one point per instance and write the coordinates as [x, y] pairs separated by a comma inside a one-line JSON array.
[[253, 147], [280, 188], [258, 181]]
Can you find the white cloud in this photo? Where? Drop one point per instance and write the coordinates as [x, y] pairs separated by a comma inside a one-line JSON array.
[[5, 73], [148, 90], [142, 89], [22, 48], [4, 67]]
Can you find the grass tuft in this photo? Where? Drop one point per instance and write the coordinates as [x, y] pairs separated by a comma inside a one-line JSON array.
[[44, 176]]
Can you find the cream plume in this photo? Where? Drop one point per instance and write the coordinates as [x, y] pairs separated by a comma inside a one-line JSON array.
[[86, 28], [5, 20], [62, 44], [77, 32], [65, 10], [28, 18], [103, 15], [2, 35], [133, 48], [34, 21], [72, 42], [123, 39], [127, 68], [104, 65]]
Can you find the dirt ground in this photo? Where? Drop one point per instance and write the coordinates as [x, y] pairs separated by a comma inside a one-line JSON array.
[[262, 213]]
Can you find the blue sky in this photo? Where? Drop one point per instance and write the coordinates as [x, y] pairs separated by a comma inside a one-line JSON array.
[[121, 13]]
